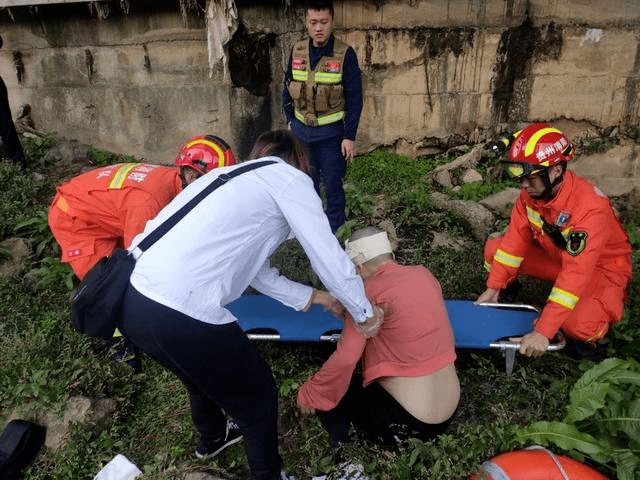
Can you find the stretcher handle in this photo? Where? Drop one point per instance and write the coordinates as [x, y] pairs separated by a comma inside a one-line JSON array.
[[512, 306], [334, 337], [508, 345]]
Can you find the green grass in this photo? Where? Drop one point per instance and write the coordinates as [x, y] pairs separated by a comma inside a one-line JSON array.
[[43, 361]]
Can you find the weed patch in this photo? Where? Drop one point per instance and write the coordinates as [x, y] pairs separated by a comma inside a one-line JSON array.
[[43, 360]]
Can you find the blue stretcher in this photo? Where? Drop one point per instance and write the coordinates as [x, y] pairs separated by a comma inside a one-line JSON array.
[[474, 326]]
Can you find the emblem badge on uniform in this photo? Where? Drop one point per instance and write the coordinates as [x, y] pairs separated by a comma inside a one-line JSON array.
[[562, 219], [576, 242], [297, 64], [332, 66]]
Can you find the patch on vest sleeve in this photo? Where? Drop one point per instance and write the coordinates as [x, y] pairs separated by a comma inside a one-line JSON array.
[[576, 242]]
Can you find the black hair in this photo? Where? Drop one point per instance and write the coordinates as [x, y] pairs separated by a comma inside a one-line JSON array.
[[320, 5], [283, 144]]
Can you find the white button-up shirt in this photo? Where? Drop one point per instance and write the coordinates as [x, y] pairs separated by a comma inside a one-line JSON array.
[[223, 245]]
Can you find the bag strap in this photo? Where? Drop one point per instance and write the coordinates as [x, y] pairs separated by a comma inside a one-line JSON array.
[[19, 444], [555, 234], [169, 223]]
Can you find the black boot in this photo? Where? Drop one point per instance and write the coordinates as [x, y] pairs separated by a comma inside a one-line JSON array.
[[579, 350]]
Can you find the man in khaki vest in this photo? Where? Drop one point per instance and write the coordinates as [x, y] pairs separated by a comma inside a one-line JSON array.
[[322, 102]]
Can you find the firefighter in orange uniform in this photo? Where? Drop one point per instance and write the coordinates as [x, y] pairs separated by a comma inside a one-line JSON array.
[[565, 230], [103, 209]]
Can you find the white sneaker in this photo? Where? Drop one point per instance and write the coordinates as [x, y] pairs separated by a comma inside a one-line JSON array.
[[345, 471], [207, 450]]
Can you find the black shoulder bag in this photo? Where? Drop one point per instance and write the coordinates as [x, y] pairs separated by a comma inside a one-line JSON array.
[[20, 442], [97, 302]]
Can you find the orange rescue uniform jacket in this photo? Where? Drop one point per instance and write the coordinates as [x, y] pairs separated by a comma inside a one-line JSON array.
[[109, 205], [592, 243]]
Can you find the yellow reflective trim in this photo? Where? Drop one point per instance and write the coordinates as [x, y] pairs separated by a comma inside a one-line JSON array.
[[121, 175], [322, 120], [487, 266], [213, 145], [534, 217], [507, 259], [300, 75], [564, 298], [331, 118], [533, 141], [327, 77]]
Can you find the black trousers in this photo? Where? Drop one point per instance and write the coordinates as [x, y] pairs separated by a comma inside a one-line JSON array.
[[376, 413], [222, 370], [10, 140]]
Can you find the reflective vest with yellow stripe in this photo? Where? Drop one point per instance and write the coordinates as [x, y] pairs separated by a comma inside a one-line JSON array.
[[317, 95]]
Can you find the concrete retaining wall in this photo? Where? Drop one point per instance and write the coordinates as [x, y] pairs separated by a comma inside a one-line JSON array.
[[435, 72]]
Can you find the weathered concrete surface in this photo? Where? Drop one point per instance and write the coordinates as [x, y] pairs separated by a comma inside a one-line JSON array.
[[616, 172], [435, 73], [592, 73], [433, 13]]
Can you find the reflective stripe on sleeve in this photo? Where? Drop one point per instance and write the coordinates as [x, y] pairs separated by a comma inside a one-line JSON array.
[[564, 298], [507, 259]]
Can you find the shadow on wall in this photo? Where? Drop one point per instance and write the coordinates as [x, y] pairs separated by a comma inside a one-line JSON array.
[[250, 69], [518, 48]]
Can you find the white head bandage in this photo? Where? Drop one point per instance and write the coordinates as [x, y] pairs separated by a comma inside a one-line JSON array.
[[366, 248]]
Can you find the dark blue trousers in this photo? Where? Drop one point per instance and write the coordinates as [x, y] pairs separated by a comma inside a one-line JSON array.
[[222, 370], [329, 167]]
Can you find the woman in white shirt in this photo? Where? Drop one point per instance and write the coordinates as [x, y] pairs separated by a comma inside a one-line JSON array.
[[174, 308]]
